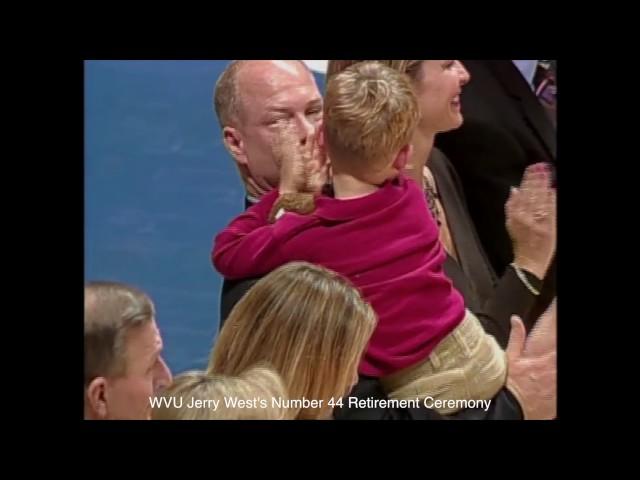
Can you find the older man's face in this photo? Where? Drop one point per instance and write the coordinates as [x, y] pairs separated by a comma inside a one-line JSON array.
[[127, 397], [275, 94]]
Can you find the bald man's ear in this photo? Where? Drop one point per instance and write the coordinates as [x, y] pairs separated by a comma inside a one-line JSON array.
[[235, 146], [96, 398]]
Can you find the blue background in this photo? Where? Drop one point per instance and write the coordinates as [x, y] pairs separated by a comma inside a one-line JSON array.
[[159, 185]]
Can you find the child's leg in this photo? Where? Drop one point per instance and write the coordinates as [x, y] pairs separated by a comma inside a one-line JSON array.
[[468, 364]]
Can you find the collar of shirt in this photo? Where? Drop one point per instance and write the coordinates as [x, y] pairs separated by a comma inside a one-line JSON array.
[[527, 69], [386, 196], [252, 200]]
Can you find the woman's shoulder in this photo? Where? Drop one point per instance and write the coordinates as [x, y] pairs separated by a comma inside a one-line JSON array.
[[439, 163]]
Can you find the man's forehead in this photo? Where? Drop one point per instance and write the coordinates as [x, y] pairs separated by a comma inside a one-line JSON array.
[[266, 78], [276, 67], [157, 338], [289, 66], [145, 340]]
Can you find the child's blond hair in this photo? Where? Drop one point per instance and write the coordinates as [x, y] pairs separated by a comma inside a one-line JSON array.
[[370, 113]]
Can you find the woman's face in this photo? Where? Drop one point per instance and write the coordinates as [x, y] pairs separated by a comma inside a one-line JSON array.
[[438, 85]]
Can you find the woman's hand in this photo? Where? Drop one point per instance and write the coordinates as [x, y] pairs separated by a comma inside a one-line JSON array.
[[531, 220]]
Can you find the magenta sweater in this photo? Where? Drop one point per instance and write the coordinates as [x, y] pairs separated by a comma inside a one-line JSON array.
[[386, 243]]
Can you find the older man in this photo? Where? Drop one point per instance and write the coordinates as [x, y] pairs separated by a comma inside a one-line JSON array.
[[123, 366]]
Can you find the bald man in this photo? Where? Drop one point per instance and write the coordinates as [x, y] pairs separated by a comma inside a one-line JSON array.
[[253, 100]]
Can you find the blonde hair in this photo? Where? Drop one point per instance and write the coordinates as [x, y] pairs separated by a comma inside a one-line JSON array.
[[410, 67], [248, 396], [111, 311], [370, 112], [309, 323]]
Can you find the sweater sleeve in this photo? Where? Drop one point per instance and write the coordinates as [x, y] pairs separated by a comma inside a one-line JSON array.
[[250, 246]]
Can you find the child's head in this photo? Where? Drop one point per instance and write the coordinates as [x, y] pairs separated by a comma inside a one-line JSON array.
[[437, 83], [198, 395], [309, 323], [370, 113]]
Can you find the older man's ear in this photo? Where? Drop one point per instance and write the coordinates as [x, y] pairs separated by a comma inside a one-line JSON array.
[[96, 406]]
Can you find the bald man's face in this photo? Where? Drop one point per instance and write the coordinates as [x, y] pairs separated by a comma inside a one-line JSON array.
[[275, 94]]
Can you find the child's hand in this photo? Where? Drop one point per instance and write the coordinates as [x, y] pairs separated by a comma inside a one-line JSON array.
[[318, 167]]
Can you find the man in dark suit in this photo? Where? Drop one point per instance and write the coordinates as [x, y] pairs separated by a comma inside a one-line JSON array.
[[251, 99], [509, 124], [249, 96]]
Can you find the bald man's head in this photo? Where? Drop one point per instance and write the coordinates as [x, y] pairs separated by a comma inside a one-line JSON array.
[[229, 89], [254, 101]]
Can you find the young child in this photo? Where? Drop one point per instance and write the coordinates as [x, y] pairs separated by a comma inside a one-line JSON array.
[[375, 231]]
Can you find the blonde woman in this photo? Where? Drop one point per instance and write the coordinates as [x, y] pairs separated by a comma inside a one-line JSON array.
[[256, 394], [307, 322]]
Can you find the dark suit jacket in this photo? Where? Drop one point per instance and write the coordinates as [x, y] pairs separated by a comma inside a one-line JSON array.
[[505, 130]]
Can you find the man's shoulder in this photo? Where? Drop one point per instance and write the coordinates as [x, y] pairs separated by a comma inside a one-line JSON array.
[[232, 292]]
